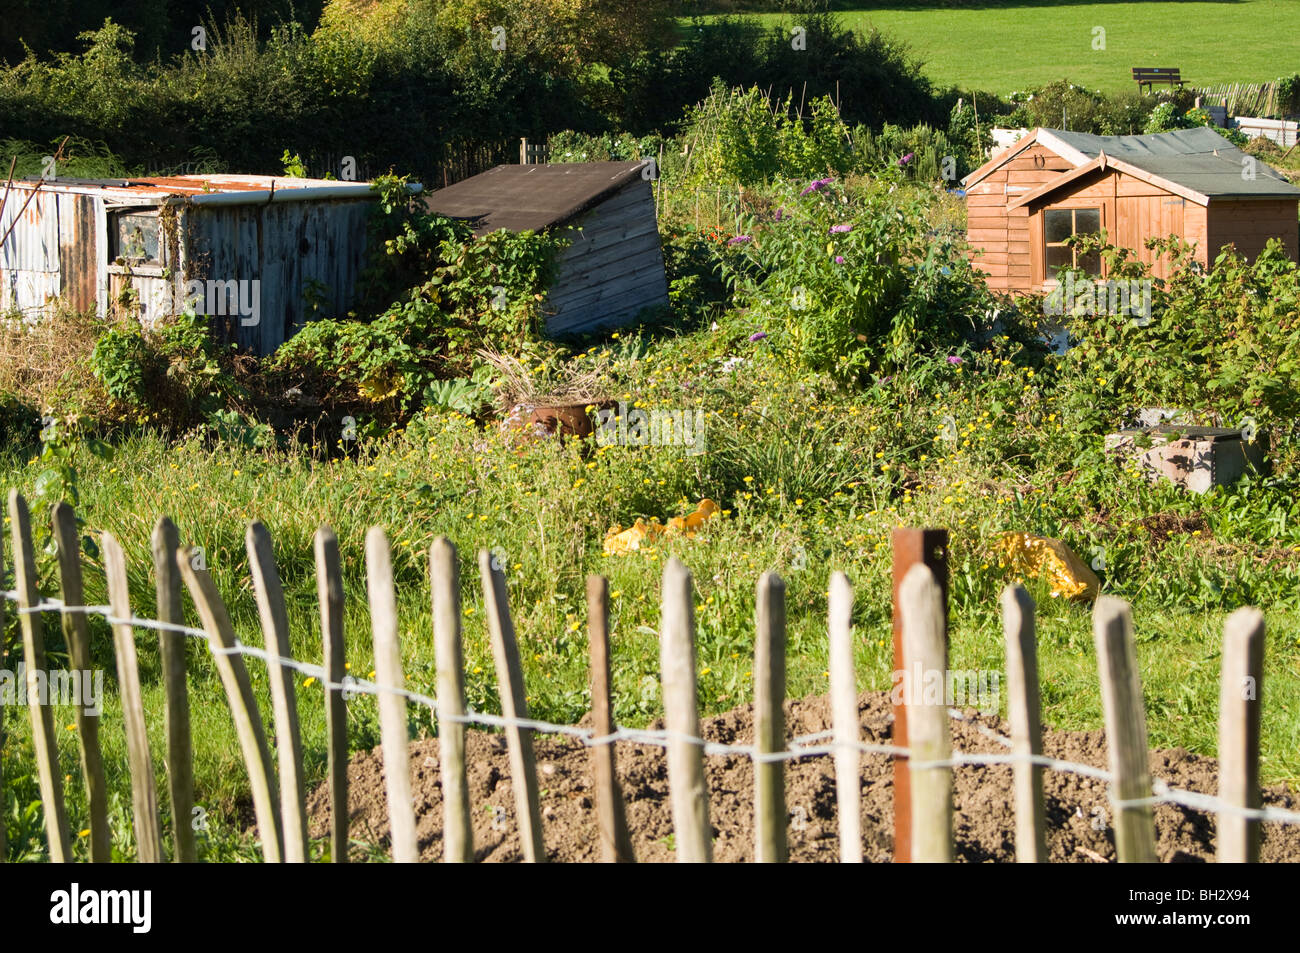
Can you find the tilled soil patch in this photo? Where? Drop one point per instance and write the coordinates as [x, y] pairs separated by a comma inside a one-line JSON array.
[[1078, 814]]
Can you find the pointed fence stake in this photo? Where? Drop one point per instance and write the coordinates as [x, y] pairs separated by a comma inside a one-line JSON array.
[[144, 796], [1026, 724], [686, 782], [76, 633], [924, 648], [1241, 698], [180, 758], [770, 844], [1126, 730], [514, 705], [243, 704], [449, 656], [284, 700], [611, 817], [392, 706], [44, 741], [329, 593], [845, 720]]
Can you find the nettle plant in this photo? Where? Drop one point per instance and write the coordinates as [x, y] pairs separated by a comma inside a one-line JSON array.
[[857, 284]]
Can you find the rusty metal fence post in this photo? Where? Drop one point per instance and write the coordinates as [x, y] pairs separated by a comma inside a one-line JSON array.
[[911, 546]]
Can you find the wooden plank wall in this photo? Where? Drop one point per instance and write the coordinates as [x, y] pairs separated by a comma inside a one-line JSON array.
[[1003, 235], [613, 267], [1250, 223]]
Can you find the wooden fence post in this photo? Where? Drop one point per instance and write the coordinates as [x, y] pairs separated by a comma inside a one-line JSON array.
[[392, 706], [686, 781], [172, 649], [611, 817], [770, 844], [44, 741], [1126, 729], [1241, 699], [844, 720], [4, 845], [284, 700], [76, 633], [144, 797], [1026, 725], [243, 704], [929, 547], [514, 704], [329, 593], [449, 657], [924, 644]]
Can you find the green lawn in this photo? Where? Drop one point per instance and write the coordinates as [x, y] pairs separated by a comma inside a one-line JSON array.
[[1023, 45]]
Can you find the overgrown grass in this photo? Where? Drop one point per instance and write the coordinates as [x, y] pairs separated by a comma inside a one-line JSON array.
[[838, 474]]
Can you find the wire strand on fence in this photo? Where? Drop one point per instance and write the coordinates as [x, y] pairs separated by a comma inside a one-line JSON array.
[[800, 747]]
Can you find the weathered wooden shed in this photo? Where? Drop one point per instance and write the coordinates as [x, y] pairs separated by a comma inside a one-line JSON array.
[[614, 264], [248, 251], [1024, 202]]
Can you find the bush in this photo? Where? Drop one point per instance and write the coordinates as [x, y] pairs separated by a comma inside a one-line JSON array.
[[1223, 343], [856, 285]]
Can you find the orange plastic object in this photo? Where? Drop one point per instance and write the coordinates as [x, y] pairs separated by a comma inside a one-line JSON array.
[[1030, 555], [619, 541]]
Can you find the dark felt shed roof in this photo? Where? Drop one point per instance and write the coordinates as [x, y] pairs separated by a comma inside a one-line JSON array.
[[518, 197]]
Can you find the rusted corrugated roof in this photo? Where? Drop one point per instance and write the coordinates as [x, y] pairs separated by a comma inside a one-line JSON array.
[[519, 197], [161, 188]]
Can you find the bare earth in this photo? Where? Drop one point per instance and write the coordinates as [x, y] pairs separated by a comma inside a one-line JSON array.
[[1077, 808]]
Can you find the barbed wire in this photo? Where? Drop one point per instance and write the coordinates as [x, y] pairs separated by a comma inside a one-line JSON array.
[[801, 746]]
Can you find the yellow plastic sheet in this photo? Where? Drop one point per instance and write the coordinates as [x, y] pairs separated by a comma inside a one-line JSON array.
[[1030, 555], [619, 541]]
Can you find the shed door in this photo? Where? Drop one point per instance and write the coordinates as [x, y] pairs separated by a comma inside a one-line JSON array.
[[1146, 216]]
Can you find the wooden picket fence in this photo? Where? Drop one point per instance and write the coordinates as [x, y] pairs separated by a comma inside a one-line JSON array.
[[278, 788], [1247, 99]]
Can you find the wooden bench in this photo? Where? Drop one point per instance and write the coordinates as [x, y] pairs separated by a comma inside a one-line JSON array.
[[1146, 75]]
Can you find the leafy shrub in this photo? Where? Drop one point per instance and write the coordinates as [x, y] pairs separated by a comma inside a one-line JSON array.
[[1063, 104], [1223, 343], [852, 285], [464, 293], [120, 362], [747, 137]]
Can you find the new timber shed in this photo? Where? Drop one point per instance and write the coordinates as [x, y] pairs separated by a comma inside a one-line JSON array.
[[254, 253], [613, 266], [1192, 183]]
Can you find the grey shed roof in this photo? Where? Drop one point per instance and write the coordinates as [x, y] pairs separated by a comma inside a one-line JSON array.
[[518, 197], [1198, 159]]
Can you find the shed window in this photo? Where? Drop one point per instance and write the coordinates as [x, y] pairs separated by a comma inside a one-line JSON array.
[[136, 237], [1058, 225]]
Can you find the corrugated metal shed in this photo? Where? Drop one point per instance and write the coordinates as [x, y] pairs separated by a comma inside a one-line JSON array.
[[253, 247]]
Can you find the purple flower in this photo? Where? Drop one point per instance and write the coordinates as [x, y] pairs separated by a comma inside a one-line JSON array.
[[906, 159], [740, 240], [758, 335], [816, 185], [839, 259], [954, 359], [780, 214], [841, 228]]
